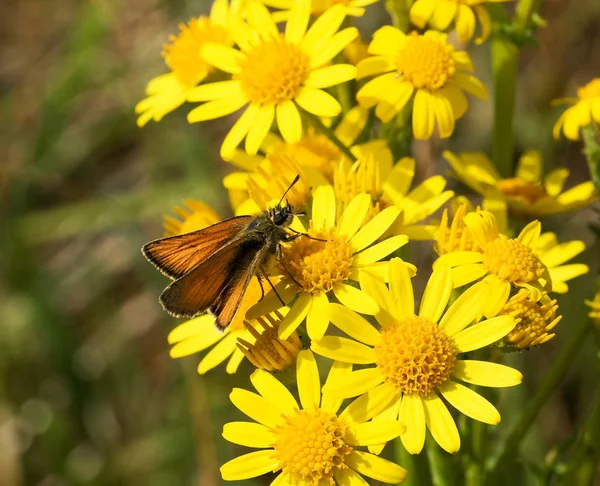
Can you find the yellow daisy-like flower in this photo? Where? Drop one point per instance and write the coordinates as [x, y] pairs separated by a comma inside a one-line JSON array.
[[308, 443], [535, 319], [354, 8], [313, 268], [503, 261], [169, 91], [201, 333], [314, 157], [529, 191], [440, 14], [424, 68], [356, 51], [274, 74], [416, 356], [389, 184], [584, 112], [594, 309], [456, 237]]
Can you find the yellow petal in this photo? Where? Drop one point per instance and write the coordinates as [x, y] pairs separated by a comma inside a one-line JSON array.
[[441, 424], [318, 102], [202, 326], [259, 17], [423, 115], [295, 316], [401, 289], [215, 91], [333, 47], [354, 215], [463, 310], [484, 333], [239, 131], [444, 114], [317, 318], [259, 129], [412, 414], [288, 121], [529, 167], [380, 250], [421, 11], [352, 125], [352, 324], [348, 477], [222, 57], [355, 383], [470, 403], [338, 371], [370, 404], [465, 23], [218, 354], [375, 286], [248, 434], [307, 377], [273, 390], [458, 258], [466, 274], [484, 373], [297, 23], [324, 27], [376, 227], [330, 76], [249, 465], [497, 292], [370, 433], [530, 233], [398, 182], [344, 349], [355, 299], [323, 208], [374, 65], [436, 294], [444, 14], [256, 407], [216, 109], [375, 467]]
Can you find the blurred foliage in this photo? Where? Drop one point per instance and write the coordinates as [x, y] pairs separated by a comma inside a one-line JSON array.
[[88, 393]]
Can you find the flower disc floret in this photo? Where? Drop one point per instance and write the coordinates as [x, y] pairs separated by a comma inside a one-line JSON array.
[[426, 62], [512, 261], [520, 188], [318, 265], [415, 355], [310, 445], [273, 72]]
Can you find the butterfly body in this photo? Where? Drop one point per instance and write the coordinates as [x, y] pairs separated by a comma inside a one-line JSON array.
[[212, 267]]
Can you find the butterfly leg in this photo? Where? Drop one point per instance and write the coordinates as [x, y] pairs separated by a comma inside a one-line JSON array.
[[262, 289], [274, 290], [297, 234]]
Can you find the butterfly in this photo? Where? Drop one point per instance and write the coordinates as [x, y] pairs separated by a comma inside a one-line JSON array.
[[213, 266]]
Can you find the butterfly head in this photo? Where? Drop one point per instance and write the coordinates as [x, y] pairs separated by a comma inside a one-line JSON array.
[[282, 215]]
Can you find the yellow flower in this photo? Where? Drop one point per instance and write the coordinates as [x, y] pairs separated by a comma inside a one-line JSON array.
[[417, 355], [356, 51], [440, 14], [503, 261], [312, 269], [314, 157], [529, 191], [594, 309], [424, 65], [275, 73], [586, 110], [355, 8], [390, 185], [169, 91], [457, 237], [310, 443], [535, 319], [200, 333]]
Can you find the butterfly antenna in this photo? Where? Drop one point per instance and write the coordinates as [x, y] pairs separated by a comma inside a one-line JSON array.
[[296, 179]]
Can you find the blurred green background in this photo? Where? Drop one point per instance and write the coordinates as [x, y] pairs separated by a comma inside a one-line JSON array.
[[88, 393]]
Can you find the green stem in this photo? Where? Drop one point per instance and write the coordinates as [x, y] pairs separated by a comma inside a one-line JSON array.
[[525, 9], [316, 122], [416, 465], [399, 11], [443, 469], [592, 153], [561, 364]]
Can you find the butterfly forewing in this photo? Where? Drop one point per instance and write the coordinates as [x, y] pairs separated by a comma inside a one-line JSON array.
[[177, 255], [218, 283]]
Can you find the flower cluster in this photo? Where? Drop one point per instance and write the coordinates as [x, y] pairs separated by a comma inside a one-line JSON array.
[[323, 115]]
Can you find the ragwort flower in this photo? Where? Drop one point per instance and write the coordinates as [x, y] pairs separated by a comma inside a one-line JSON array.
[[355, 8], [584, 112], [529, 191], [275, 73], [440, 14], [308, 443], [503, 261], [169, 91], [389, 184], [416, 356], [313, 268], [425, 66]]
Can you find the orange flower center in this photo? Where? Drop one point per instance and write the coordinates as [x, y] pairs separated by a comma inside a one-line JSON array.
[[318, 265], [512, 261], [415, 355], [426, 62], [273, 72], [520, 189], [183, 54], [310, 446]]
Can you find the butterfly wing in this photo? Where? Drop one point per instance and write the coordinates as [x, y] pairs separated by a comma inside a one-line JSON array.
[[218, 283], [176, 255]]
